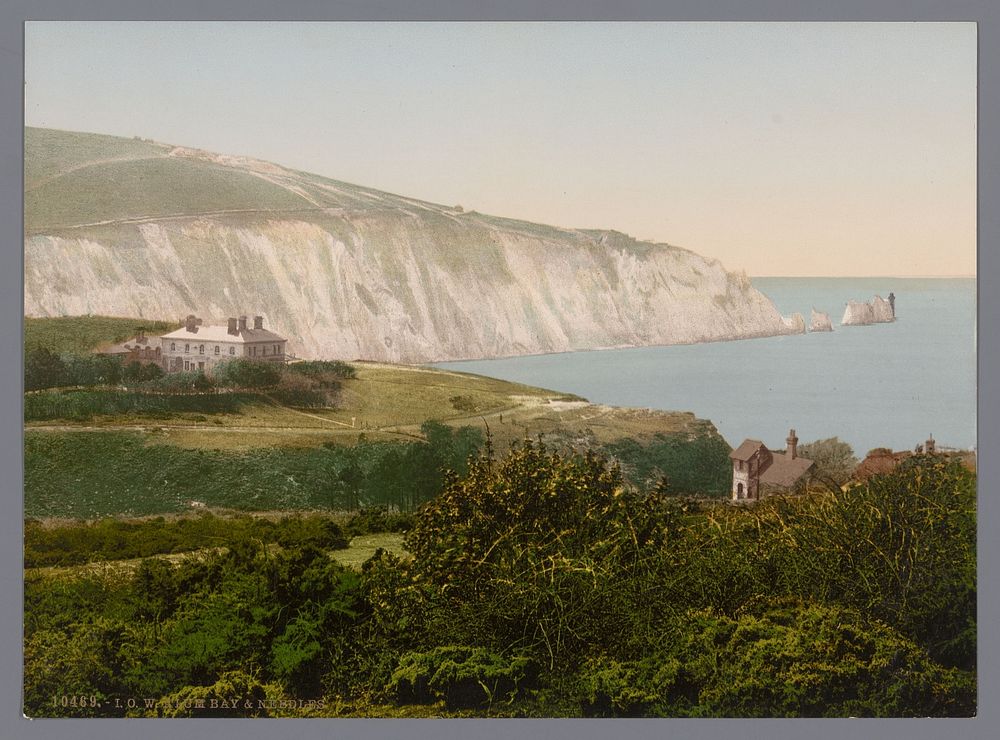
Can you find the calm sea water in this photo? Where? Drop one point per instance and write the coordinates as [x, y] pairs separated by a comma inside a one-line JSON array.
[[885, 385]]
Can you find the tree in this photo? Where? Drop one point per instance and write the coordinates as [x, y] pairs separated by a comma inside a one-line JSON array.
[[834, 460], [43, 368]]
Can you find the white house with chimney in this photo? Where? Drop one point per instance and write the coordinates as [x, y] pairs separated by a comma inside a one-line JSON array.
[[196, 346]]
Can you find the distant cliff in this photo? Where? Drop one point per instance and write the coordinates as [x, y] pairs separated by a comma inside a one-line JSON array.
[[876, 311], [135, 228]]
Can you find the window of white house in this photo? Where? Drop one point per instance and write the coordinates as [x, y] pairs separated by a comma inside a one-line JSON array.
[[216, 349], [201, 349], [263, 350], [187, 347], [172, 346], [232, 350]]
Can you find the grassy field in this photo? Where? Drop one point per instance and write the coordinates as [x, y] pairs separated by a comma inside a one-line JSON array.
[[363, 547]]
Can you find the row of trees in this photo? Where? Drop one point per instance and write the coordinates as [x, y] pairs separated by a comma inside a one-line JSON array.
[[310, 384], [44, 368], [541, 584]]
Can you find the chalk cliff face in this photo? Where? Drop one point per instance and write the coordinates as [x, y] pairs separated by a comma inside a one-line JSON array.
[[349, 272]]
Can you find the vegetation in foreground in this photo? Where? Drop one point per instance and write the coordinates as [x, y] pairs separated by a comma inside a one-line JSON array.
[[106, 473], [541, 585]]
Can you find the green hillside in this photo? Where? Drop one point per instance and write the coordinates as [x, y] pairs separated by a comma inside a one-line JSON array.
[[120, 190], [84, 333], [49, 153]]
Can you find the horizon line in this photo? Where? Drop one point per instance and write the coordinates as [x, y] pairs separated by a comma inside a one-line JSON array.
[[875, 277]]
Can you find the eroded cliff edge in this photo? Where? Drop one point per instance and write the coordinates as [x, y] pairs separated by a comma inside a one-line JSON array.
[[356, 273]]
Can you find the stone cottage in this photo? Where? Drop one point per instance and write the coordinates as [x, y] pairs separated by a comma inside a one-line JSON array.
[[758, 472]]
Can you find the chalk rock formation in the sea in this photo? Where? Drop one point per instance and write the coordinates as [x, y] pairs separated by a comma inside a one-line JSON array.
[[876, 311], [820, 321], [347, 271], [794, 323]]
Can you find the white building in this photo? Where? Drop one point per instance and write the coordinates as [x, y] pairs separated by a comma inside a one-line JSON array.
[[198, 347]]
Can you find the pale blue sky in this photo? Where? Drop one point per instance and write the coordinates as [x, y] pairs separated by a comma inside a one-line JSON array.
[[782, 149]]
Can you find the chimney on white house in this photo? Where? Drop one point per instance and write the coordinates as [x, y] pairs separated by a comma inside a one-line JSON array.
[[243, 323], [793, 443], [258, 322], [232, 326]]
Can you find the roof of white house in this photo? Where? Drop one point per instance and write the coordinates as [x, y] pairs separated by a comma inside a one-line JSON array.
[[221, 334]]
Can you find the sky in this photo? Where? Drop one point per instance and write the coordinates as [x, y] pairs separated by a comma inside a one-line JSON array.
[[835, 149]]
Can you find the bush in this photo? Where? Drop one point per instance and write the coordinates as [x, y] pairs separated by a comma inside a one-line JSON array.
[[43, 368], [698, 466], [242, 373], [532, 552], [310, 531], [648, 687], [463, 677], [182, 382], [83, 404], [375, 519], [782, 659], [322, 370]]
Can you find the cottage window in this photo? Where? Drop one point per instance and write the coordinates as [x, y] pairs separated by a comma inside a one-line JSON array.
[[172, 346], [232, 350], [187, 347], [216, 349], [201, 349]]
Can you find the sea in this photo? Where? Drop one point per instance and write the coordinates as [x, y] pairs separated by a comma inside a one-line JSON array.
[[884, 385]]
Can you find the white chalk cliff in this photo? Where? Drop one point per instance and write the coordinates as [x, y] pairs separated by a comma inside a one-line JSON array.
[[349, 272]]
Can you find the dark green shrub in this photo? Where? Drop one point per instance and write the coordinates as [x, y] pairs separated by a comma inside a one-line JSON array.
[[463, 677], [242, 373], [648, 687], [693, 466], [324, 371], [374, 519], [310, 531]]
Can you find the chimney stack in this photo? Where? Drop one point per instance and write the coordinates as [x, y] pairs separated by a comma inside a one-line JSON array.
[[190, 322], [793, 443], [930, 445], [258, 322], [243, 323], [232, 326]]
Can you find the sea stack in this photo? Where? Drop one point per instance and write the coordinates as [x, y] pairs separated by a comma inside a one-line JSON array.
[[876, 311], [819, 321]]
